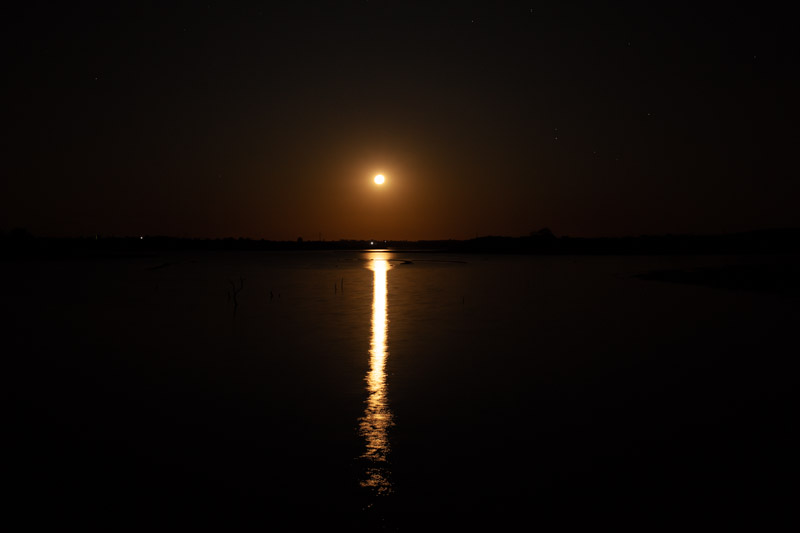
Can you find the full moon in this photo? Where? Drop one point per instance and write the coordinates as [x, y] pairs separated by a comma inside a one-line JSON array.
[[379, 179]]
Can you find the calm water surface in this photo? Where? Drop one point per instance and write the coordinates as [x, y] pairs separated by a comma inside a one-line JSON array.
[[392, 389]]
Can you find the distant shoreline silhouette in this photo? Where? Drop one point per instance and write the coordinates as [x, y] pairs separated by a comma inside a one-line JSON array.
[[19, 242]]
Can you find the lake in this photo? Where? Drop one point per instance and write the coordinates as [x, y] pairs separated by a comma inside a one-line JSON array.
[[393, 390]]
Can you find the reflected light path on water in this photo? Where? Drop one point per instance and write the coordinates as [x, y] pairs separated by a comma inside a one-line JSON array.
[[377, 419]]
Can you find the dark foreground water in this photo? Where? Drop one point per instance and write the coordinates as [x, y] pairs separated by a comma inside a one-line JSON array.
[[399, 391]]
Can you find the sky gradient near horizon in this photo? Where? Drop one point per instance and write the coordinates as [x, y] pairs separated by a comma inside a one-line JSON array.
[[245, 120]]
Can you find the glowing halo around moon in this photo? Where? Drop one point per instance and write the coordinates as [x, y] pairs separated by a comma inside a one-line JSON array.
[[379, 179]]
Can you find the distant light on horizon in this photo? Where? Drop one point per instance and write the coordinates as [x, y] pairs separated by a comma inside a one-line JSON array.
[[379, 179]]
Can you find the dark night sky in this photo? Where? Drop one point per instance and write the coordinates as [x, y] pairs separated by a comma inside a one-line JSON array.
[[214, 120]]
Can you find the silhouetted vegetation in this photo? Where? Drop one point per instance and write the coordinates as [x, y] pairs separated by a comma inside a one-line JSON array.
[[777, 278]]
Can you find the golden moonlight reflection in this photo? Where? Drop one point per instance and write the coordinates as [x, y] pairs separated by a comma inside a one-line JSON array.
[[374, 425]]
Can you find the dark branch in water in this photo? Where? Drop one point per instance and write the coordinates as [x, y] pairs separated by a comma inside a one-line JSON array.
[[235, 292]]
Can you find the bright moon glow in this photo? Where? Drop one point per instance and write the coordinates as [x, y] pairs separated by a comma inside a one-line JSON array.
[[379, 179]]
